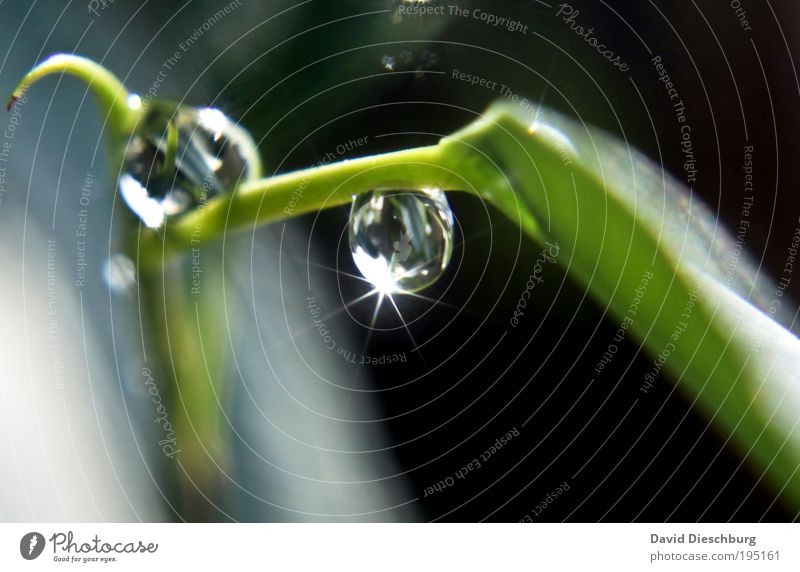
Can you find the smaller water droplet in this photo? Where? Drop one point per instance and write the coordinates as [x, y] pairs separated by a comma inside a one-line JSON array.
[[119, 272], [407, 57], [388, 62], [401, 240], [181, 157], [429, 59]]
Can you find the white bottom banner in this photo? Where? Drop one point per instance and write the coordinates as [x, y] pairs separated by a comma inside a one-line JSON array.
[[400, 547]]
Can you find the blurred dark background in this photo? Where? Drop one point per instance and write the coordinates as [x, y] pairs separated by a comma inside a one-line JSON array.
[[307, 77]]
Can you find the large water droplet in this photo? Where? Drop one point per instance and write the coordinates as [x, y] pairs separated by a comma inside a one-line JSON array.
[[401, 240], [179, 158]]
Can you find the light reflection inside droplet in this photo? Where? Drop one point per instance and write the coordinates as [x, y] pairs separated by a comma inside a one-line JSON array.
[[149, 209], [376, 271], [401, 240], [180, 157], [134, 102], [213, 120]]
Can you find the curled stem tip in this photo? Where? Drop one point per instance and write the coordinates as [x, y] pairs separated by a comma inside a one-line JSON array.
[[11, 101], [111, 94]]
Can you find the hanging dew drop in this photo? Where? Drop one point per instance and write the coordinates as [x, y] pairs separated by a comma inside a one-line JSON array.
[[401, 240], [180, 157]]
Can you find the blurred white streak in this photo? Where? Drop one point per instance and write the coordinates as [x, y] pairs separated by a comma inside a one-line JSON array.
[[66, 449]]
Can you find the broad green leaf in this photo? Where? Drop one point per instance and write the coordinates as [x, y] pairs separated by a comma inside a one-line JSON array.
[[627, 231], [703, 317]]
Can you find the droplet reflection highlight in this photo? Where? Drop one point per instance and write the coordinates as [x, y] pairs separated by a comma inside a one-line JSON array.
[[401, 240]]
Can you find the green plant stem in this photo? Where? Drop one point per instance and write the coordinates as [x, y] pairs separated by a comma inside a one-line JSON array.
[[182, 337], [453, 165], [111, 94], [284, 196]]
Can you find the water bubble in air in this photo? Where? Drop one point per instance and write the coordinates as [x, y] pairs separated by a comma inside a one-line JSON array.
[[388, 62], [180, 157], [407, 57], [401, 240], [119, 273]]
